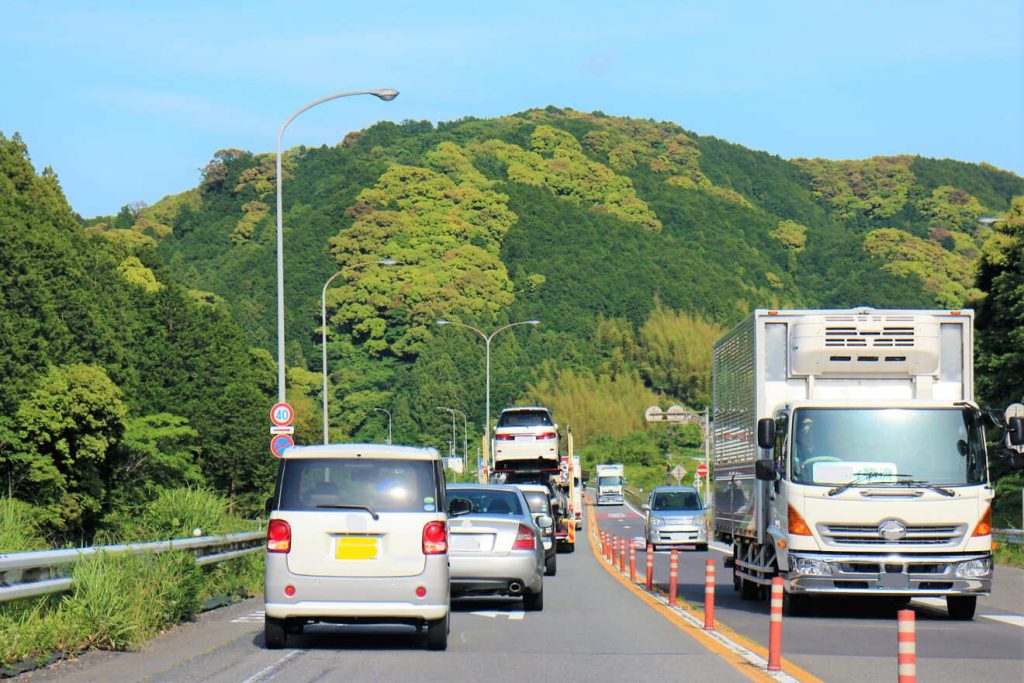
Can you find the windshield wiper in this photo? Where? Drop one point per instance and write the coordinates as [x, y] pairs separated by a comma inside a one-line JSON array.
[[932, 487], [862, 478], [352, 507]]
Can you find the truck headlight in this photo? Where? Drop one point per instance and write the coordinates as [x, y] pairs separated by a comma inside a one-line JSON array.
[[699, 521], [811, 567], [974, 569], [657, 521]]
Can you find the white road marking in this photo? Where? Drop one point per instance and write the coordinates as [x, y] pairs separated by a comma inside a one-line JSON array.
[[254, 618], [1012, 619], [269, 672], [494, 614]]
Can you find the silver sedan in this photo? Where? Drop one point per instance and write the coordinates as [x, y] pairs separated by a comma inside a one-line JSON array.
[[496, 548]]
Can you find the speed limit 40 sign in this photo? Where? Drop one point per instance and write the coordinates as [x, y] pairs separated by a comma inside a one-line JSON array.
[[282, 414]]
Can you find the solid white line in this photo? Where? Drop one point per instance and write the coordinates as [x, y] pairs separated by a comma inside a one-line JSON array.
[[1012, 619], [269, 672]]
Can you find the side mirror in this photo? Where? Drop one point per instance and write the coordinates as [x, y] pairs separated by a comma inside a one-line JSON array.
[[764, 470], [545, 522], [766, 433], [1015, 428], [645, 507], [459, 506]]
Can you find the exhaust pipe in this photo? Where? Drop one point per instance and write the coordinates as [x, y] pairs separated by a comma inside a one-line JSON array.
[[515, 588]]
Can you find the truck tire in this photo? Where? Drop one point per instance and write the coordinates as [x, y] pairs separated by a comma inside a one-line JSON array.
[[961, 607], [437, 633], [794, 605], [551, 565], [749, 590], [274, 634]]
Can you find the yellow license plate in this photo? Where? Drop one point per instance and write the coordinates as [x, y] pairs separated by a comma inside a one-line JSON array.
[[356, 548]]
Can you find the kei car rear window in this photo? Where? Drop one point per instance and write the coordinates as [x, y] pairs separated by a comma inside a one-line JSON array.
[[383, 485], [676, 500], [525, 418]]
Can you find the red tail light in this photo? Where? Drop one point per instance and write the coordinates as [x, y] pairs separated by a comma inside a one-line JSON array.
[[525, 540], [279, 536], [435, 538], [504, 437], [547, 435]]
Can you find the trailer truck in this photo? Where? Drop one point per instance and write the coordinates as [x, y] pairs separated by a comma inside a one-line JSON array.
[[849, 456]]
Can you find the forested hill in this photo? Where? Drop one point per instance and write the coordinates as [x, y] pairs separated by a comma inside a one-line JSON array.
[[616, 233], [634, 242]]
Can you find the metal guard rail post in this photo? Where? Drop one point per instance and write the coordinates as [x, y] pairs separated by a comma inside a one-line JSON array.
[[24, 575]]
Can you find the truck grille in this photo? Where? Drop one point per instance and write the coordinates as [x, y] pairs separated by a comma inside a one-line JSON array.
[[860, 535]]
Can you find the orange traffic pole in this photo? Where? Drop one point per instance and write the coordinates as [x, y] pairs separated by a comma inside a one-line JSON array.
[[673, 576], [709, 595], [775, 630], [650, 567], [906, 642], [632, 562], [622, 555]]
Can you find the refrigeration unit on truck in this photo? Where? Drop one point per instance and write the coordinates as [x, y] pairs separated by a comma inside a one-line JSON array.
[[849, 456], [610, 479]]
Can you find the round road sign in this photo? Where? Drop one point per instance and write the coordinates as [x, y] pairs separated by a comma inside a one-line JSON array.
[[280, 443], [702, 470], [282, 414]]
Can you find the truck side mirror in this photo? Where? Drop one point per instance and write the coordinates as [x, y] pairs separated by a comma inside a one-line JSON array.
[[1015, 428], [764, 470], [766, 433]]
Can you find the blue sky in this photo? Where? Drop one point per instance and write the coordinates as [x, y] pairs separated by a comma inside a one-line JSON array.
[[127, 100]]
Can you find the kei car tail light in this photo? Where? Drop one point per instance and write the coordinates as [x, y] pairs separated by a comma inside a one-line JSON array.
[[984, 527], [797, 525], [279, 536], [435, 538], [525, 540], [547, 435]]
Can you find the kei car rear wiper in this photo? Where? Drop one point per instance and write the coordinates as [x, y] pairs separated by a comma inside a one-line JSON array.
[[862, 478], [333, 506]]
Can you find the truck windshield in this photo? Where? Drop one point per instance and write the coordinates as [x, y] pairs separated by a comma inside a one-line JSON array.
[[609, 481], [890, 446]]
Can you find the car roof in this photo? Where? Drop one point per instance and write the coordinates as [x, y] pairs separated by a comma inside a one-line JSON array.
[[361, 450], [685, 489], [518, 408], [489, 487], [532, 487]]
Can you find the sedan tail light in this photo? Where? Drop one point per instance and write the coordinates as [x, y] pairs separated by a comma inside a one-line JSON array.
[[435, 538], [525, 540], [547, 435], [279, 536], [504, 437]]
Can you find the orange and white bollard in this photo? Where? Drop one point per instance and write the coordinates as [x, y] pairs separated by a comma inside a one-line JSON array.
[[622, 555], [632, 562], [906, 640], [709, 595], [673, 576], [775, 630], [650, 567], [604, 544]]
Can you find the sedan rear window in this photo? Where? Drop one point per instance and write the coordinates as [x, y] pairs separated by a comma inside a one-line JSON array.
[[489, 501], [381, 485], [525, 418]]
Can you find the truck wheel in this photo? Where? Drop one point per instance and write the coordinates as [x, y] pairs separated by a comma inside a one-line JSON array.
[[794, 605], [551, 565], [534, 602], [749, 590], [702, 547], [961, 607], [274, 635], [437, 634]]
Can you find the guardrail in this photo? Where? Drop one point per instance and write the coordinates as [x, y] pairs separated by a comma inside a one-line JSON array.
[[1015, 536], [24, 575]]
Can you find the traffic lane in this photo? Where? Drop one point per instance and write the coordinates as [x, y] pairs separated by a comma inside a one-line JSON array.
[[839, 638]]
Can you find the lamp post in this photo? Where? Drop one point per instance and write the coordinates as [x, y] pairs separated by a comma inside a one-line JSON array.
[[487, 346], [323, 324], [465, 434], [386, 94], [385, 410]]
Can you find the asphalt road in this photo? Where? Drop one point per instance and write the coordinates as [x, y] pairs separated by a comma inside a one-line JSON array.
[[592, 629], [855, 640]]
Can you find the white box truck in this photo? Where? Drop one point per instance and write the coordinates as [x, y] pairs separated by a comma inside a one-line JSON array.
[[610, 478], [849, 456]]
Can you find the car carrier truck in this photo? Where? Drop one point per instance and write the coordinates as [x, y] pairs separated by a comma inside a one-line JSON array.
[[849, 456]]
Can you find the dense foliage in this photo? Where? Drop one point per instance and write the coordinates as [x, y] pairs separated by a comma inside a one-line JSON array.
[[634, 242]]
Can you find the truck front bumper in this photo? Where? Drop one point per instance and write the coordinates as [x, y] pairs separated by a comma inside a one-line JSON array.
[[966, 574]]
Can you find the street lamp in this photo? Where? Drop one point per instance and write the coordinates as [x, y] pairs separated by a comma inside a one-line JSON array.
[[385, 410], [451, 444], [386, 94], [465, 434], [323, 324], [487, 345]]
